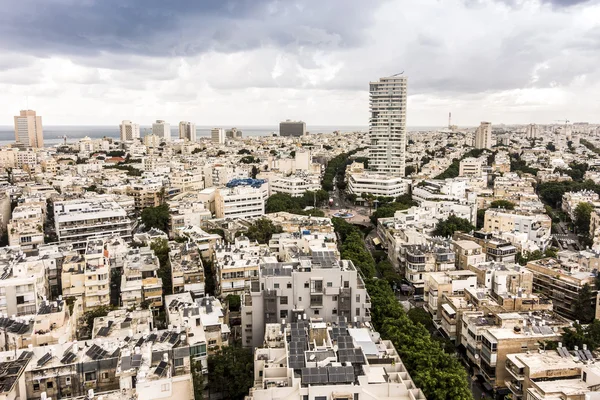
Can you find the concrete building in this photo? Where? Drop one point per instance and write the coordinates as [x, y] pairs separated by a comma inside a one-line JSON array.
[[162, 129], [187, 131], [495, 249], [129, 131], [420, 260], [470, 166], [217, 135], [26, 228], [483, 136], [446, 283], [468, 253], [28, 129], [240, 202], [23, 286], [363, 367], [571, 200], [187, 270], [387, 125], [77, 220], [317, 286], [236, 264], [532, 131], [292, 128], [377, 185], [140, 281], [295, 186], [534, 227]]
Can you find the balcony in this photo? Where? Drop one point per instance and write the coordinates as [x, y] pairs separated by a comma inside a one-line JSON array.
[[515, 387]]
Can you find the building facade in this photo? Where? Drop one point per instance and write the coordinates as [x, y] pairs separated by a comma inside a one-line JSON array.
[[129, 131], [28, 129], [187, 131], [292, 128]]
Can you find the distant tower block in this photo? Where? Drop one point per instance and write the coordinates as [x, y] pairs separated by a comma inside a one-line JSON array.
[[532, 131]]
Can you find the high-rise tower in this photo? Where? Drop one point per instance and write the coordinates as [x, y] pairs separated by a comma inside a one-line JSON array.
[[187, 131], [387, 125], [28, 129]]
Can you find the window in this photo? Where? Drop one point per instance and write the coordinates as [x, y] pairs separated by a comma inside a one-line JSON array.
[[105, 375], [20, 299], [358, 311], [320, 397], [306, 285], [283, 314], [358, 298], [178, 362], [36, 386], [316, 312], [329, 284], [90, 376], [346, 284], [276, 285], [283, 300], [299, 298], [334, 311], [68, 381], [212, 342], [316, 300], [317, 286], [165, 387], [289, 285]]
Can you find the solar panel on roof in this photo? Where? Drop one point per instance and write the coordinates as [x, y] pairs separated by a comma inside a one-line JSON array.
[[103, 331], [581, 355], [125, 363], [164, 336], [45, 358], [340, 374], [162, 367], [563, 352], [136, 361], [26, 355], [314, 375], [296, 361], [151, 338], [588, 354], [68, 357], [174, 339], [139, 342]]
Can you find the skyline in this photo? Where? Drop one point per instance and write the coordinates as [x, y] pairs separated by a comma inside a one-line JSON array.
[[258, 63]]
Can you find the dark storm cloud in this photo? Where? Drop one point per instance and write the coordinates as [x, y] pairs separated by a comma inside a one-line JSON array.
[[174, 28]]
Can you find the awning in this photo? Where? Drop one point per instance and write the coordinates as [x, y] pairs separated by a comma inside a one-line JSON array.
[[448, 309], [376, 241]]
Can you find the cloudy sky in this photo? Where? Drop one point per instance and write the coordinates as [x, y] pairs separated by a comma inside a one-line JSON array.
[[256, 62]]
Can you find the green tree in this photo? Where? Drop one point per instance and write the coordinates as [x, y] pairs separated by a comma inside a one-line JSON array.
[[249, 160], [262, 230], [481, 218], [161, 250], [409, 170], [550, 146], [156, 217], [580, 335], [585, 304], [418, 315], [244, 151], [254, 172], [232, 372], [89, 316], [583, 213], [234, 302], [452, 224], [508, 205], [197, 150]]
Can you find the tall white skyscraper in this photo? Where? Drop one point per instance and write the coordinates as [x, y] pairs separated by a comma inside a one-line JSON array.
[[483, 136], [217, 135], [532, 131], [162, 129], [187, 131], [28, 129], [387, 125], [129, 131]]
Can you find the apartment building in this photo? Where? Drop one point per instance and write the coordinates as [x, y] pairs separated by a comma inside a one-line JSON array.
[[187, 270], [22, 285], [418, 261], [296, 185], [483, 136], [315, 286], [140, 281], [470, 166], [217, 135], [80, 219], [292, 128], [553, 374], [26, 228], [533, 227], [338, 361], [495, 249], [28, 129], [561, 282], [187, 131], [146, 194], [292, 223], [571, 200], [511, 183], [468, 253], [237, 264], [185, 214], [377, 184], [240, 202], [187, 181], [129, 131], [162, 129], [446, 283]]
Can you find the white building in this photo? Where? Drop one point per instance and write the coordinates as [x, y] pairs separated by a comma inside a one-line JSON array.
[[162, 129], [28, 129], [295, 186], [377, 184], [240, 202], [129, 131], [187, 131], [387, 125], [470, 166], [483, 136], [77, 220], [217, 135], [532, 131]]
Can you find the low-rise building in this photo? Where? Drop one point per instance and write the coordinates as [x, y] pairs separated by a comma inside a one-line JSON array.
[[187, 270], [468, 253], [419, 261], [236, 265], [571, 200], [140, 281], [240, 202], [377, 185]]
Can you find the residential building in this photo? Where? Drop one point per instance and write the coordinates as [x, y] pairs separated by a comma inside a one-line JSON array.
[[240, 202], [495, 249], [532, 131], [187, 131], [187, 270], [140, 281], [28, 129], [26, 228], [470, 166], [23, 286], [387, 125], [217, 135], [146, 194], [468, 253], [129, 131], [77, 220], [295, 186], [533, 227], [364, 367], [292, 128], [236, 264], [561, 282], [571, 200], [483, 136], [377, 184], [420, 260], [162, 129]]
